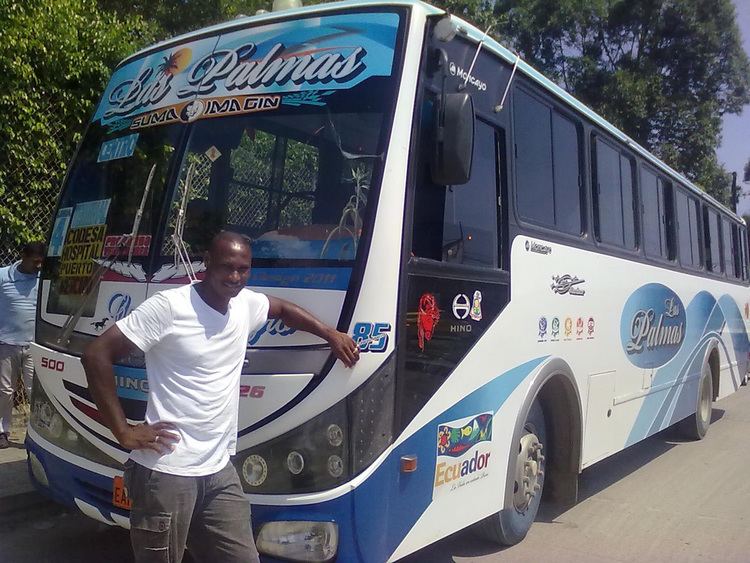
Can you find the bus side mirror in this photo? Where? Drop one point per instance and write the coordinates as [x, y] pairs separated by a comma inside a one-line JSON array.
[[454, 140]]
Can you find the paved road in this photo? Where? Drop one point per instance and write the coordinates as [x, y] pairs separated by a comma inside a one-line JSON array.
[[661, 500]]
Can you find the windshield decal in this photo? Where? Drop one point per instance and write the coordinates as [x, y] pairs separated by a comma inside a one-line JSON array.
[[311, 98], [90, 213], [337, 51], [82, 248], [308, 278], [113, 246], [121, 147], [187, 112], [59, 231]]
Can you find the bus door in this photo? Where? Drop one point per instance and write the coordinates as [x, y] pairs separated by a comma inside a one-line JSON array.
[[455, 285], [458, 277]]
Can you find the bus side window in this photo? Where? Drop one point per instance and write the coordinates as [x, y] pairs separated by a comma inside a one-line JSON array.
[[614, 197], [745, 255], [547, 160], [736, 252], [687, 229], [711, 232], [458, 224], [657, 211], [727, 250]]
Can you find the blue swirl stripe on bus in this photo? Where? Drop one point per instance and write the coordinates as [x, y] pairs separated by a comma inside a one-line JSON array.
[[705, 319], [737, 331], [385, 507], [702, 317]]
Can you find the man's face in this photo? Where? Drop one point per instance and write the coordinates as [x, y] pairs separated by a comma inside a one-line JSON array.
[[228, 268], [32, 263]]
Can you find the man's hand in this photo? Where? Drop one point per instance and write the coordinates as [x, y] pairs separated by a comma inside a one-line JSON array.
[[155, 437], [343, 347]]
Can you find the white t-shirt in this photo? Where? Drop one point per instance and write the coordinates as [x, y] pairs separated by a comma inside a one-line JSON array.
[[194, 357]]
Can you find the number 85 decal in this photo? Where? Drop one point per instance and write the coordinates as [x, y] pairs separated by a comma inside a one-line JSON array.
[[371, 337]]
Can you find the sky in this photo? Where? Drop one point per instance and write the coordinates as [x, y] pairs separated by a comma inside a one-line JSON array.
[[734, 150]]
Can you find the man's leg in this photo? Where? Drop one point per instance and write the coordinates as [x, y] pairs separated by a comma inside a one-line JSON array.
[[27, 370], [8, 374], [221, 530], [162, 509]]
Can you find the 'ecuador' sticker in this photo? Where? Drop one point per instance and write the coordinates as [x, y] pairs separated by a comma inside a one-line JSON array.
[[463, 453]]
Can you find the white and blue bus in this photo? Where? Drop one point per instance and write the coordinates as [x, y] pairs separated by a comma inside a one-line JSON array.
[[530, 289]]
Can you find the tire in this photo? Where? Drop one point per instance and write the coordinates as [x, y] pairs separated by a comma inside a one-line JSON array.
[[695, 427], [510, 525]]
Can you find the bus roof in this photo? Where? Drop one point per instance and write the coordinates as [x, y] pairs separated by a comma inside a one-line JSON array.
[[470, 32]]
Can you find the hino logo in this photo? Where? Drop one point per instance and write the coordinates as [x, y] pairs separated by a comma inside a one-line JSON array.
[[462, 74]]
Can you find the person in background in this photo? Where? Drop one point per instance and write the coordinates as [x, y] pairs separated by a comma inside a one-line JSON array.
[[18, 291], [185, 491]]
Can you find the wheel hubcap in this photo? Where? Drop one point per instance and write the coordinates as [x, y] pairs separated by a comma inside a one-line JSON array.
[[705, 406], [529, 472]]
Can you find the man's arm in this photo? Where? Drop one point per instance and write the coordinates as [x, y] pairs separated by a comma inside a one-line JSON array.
[[97, 360], [295, 316]]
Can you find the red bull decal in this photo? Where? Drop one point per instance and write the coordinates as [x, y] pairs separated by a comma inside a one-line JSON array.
[[428, 316]]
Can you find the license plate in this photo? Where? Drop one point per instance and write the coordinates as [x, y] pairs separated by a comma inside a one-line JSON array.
[[120, 494]]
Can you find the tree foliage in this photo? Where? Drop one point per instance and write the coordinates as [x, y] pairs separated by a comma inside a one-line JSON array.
[[55, 58], [174, 17], [663, 71]]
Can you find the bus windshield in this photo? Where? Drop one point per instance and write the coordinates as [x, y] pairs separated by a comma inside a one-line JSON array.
[[278, 132], [296, 181]]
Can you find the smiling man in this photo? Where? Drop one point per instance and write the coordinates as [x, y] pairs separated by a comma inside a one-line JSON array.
[[194, 337]]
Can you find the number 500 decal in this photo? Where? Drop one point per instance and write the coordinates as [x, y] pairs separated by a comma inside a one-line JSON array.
[[371, 337]]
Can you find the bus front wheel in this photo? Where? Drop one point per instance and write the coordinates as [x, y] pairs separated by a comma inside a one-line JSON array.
[[510, 525]]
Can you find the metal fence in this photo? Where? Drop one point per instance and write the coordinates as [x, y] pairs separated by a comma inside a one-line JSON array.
[[45, 182]]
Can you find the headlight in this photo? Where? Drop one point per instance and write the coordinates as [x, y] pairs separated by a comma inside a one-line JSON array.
[[296, 461], [254, 470], [299, 541], [51, 426], [325, 451]]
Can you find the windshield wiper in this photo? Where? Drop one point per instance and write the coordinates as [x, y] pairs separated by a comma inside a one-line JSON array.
[[337, 139], [351, 214], [180, 248], [105, 265]]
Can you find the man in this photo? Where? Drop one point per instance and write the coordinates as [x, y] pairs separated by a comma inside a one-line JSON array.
[[18, 290], [179, 476]]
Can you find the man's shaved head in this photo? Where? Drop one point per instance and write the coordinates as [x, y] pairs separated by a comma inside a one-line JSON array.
[[228, 239]]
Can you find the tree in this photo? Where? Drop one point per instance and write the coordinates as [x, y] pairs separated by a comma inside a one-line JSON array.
[[746, 175], [55, 58], [663, 71], [174, 17]]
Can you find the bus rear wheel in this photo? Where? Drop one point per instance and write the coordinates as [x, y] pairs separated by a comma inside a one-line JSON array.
[[510, 525], [695, 427]]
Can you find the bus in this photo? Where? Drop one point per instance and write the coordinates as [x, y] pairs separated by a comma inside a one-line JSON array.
[[531, 290]]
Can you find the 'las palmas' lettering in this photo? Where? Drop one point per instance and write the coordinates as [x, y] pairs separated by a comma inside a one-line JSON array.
[[239, 73], [643, 331]]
